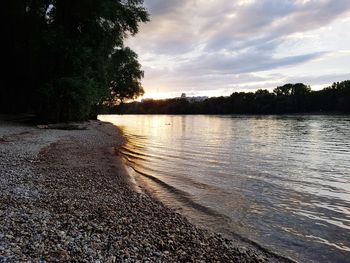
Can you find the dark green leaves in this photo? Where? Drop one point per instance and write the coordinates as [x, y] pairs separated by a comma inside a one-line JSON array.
[[66, 56]]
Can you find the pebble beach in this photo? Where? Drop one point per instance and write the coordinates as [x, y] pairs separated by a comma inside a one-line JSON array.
[[65, 196]]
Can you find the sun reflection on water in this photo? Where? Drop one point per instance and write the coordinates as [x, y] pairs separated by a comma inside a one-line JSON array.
[[282, 181]]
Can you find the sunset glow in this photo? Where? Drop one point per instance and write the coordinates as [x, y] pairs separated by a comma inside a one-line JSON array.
[[218, 47]]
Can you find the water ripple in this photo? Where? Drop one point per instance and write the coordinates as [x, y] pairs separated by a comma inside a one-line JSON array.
[[280, 181]]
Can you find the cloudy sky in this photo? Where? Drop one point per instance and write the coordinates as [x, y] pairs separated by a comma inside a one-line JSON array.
[[216, 47]]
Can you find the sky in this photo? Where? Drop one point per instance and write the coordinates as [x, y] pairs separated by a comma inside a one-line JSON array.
[[216, 47]]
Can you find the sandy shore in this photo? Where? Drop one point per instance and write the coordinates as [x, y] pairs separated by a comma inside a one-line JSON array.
[[66, 197]]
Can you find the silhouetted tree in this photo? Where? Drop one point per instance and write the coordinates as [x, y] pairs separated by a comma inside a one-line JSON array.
[[60, 54], [289, 98], [284, 90], [125, 76]]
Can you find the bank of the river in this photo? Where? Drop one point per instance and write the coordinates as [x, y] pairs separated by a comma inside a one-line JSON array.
[[65, 197]]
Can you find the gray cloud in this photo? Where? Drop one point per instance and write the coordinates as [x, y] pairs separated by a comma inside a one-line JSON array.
[[244, 63], [268, 20], [316, 80], [163, 8], [204, 42]]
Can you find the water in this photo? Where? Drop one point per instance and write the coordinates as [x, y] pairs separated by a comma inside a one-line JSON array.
[[280, 181]]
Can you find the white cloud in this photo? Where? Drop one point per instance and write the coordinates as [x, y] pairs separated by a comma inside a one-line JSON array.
[[222, 46]]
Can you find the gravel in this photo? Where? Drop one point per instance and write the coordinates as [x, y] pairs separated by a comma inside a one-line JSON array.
[[65, 196]]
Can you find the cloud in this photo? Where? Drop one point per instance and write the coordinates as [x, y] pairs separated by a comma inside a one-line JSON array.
[[163, 8], [195, 39], [245, 62]]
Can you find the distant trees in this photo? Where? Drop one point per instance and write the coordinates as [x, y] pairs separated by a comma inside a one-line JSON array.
[[333, 98], [289, 98], [292, 97], [62, 58], [298, 89], [284, 90]]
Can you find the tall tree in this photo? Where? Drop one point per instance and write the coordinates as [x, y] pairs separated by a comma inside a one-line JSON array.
[[63, 51], [125, 76]]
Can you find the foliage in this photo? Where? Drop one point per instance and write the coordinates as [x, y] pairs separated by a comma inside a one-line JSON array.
[[125, 73], [62, 56], [290, 98]]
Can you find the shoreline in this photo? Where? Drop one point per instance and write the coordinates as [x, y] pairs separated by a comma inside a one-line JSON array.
[[66, 196], [140, 184]]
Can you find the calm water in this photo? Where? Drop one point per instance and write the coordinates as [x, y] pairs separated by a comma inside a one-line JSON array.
[[280, 181]]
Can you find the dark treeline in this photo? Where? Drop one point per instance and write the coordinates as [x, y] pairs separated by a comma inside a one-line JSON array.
[[290, 98], [64, 58]]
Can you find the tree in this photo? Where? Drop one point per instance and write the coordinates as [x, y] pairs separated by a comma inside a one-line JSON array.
[[290, 98], [284, 90], [125, 76], [264, 101], [299, 89], [61, 53]]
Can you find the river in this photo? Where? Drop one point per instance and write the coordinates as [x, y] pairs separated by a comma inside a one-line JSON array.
[[282, 182]]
